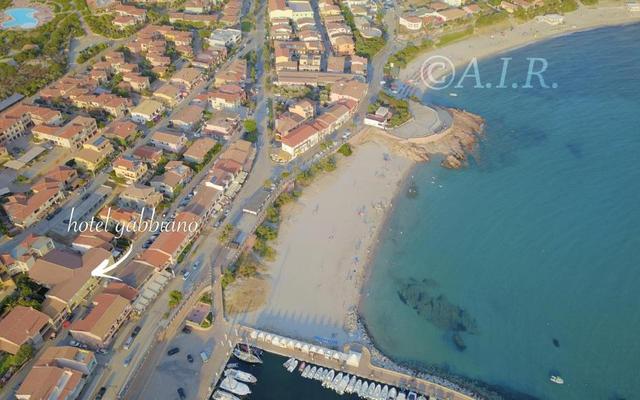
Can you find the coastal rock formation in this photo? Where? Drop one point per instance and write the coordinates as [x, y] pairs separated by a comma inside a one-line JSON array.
[[454, 143], [423, 297]]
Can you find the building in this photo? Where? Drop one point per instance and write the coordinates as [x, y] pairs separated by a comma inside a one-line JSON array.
[[90, 240], [411, 22], [98, 328], [225, 37], [83, 361], [278, 9], [148, 110], [197, 152], [21, 258], [174, 142], [129, 168], [175, 176], [67, 275], [51, 383], [72, 136], [187, 77], [169, 94], [188, 118], [379, 119], [22, 325], [123, 131], [25, 209], [136, 197], [222, 126], [149, 154], [93, 153], [353, 90]]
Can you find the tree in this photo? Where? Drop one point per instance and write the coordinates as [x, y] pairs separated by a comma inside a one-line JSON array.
[[345, 150], [225, 234], [175, 297], [250, 125]]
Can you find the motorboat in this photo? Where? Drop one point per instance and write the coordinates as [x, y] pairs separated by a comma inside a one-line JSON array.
[[222, 395], [240, 375], [357, 387], [412, 396], [328, 378], [401, 396], [421, 397], [556, 379], [364, 389], [312, 373], [293, 365], [377, 392], [342, 385], [351, 385], [305, 372], [385, 393], [286, 364], [302, 366], [336, 381], [393, 393], [246, 356], [318, 373], [231, 385], [372, 390]]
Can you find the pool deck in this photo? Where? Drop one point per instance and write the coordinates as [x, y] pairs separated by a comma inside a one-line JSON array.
[[42, 15]]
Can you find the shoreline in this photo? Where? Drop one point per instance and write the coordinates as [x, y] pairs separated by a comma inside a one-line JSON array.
[[492, 42]]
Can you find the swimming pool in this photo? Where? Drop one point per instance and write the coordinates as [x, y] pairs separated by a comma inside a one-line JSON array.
[[22, 17]]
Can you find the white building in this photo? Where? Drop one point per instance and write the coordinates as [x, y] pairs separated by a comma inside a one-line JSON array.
[[225, 37]]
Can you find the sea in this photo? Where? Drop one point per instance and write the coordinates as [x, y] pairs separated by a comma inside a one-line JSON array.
[[526, 263]]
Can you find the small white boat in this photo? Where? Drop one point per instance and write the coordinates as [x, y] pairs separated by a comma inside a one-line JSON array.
[[329, 378], [385, 393], [222, 395], [556, 379], [321, 374], [312, 373], [392, 394], [377, 392], [351, 385], [401, 396], [288, 363], [364, 389], [305, 372], [231, 385], [246, 356], [292, 366], [342, 385], [240, 375], [336, 381], [357, 387], [453, 94], [372, 390], [421, 397], [317, 374]]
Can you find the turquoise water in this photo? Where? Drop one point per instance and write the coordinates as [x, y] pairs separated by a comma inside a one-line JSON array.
[[538, 239], [21, 18]]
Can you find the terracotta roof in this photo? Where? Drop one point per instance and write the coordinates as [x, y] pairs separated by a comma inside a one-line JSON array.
[[107, 310], [20, 325], [49, 383]]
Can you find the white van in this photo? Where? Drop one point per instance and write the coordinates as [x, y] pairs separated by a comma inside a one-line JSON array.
[[204, 357]]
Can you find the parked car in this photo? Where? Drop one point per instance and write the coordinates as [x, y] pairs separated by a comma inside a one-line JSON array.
[[185, 275], [173, 351], [189, 358], [186, 329], [101, 393], [127, 344], [181, 394], [135, 332]]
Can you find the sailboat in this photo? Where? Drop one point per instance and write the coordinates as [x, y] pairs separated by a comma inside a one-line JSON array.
[[240, 375], [246, 355], [235, 387]]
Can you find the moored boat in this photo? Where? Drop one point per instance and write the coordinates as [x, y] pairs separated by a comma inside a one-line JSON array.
[[412, 396], [401, 396], [312, 373], [392, 394], [342, 385], [351, 385], [302, 366], [336, 381], [372, 390], [364, 390], [222, 395], [385, 393], [318, 373], [305, 372], [287, 363], [357, 387], [293, 365], [421, 397], [231, 385], [240, 375], [377, 392], [329, 378], [246, 356]]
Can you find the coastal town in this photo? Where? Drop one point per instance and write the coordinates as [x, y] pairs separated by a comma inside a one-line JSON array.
[[149, 151]]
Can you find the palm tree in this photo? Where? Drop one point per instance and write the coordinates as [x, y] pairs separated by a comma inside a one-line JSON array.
[[175, 297]]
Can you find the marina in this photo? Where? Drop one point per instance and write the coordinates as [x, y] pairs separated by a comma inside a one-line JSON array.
[[347, 373]]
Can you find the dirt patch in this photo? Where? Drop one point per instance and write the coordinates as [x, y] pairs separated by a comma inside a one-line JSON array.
[[246, 295]]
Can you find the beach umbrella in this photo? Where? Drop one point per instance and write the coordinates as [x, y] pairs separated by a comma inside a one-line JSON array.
[[261, 335], [291, 343], [298, 345], [313, 349], [269, 337], [305, 348], [336, 355], [253, 334], [320, 351]]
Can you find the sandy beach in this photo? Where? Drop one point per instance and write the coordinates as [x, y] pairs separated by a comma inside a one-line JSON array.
[[493, 42], [323, 246]]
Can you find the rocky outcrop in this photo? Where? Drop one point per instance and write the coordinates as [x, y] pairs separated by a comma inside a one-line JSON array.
[[454, 143]]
